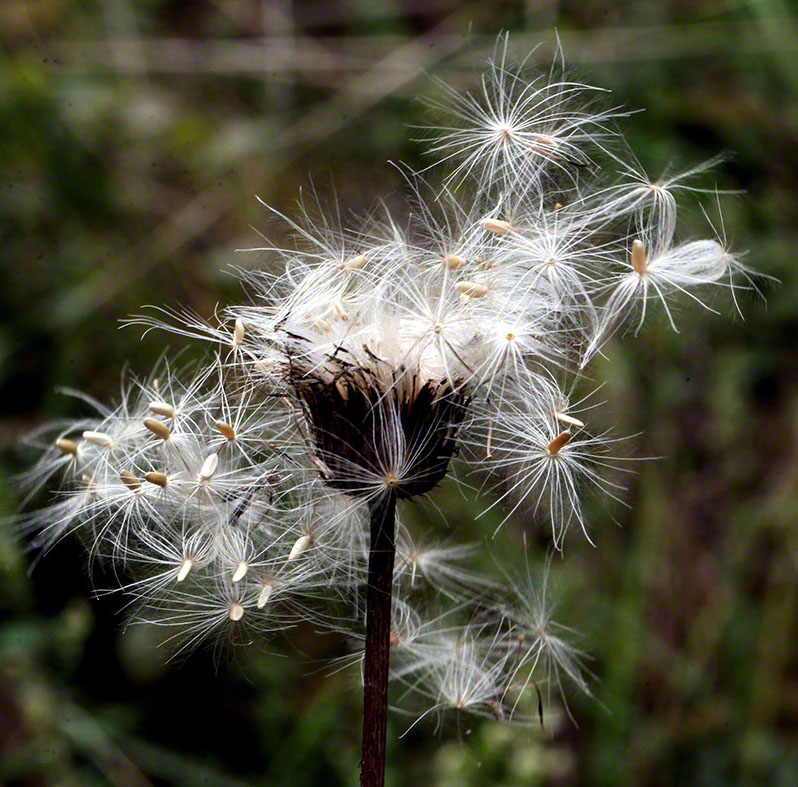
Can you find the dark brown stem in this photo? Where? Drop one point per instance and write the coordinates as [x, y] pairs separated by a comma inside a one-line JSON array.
[[378, 641]]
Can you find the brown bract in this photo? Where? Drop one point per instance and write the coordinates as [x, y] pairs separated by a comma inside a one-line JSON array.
[[369, 429]]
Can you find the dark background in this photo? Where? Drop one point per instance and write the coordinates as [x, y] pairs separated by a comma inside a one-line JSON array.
[[133, 139]]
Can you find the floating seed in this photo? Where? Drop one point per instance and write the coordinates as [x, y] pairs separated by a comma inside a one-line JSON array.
[[496, 226], [130, 481], [639, 261], [225, 430], [558, 443], [185, 569], [300, 545], [569, 420], [158, 428], [98, 438], [471, 288], [67, 446], [209, 467], [162, 408]]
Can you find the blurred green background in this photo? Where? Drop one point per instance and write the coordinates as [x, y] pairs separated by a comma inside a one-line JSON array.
[[134, 136]]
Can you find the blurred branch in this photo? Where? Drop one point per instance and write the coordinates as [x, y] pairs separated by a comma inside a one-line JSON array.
[[314, 56]]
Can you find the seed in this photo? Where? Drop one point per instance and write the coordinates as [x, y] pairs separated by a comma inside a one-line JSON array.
[[67, 446], [98, 438], [300, 545], [471, 288], [453, 261], [209, 467], [238, 332], [185, 569], [263, 598], [639, 261], [558, 443], [496, 226], [158, 428], [569, 420], [162, 408], [159, 479], [340, 312], [354, 263], [236, 612], [130, 481], [241, 571], [225, 430]]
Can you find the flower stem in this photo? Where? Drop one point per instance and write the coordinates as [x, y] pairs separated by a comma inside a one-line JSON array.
[[378, 641]]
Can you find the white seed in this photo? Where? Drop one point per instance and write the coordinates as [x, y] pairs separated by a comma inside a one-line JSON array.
[[159, 479], [241, 571], [556, 445], [639, 260], [185, 569], [225, 430], [263, 597], [471, 288], [300, 545], [236, 612], [209, 467], [354, 263], [162, 408], [563, 418], [67, 446], [340, 312], [453, 261], [130, 481], [98, 438], [158, 428], [238, 332], [496, 226]]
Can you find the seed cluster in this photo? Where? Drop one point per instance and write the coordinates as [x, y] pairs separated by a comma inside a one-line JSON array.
[[234, 497]]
